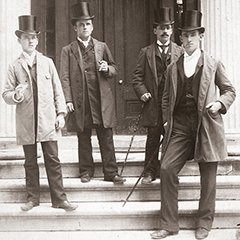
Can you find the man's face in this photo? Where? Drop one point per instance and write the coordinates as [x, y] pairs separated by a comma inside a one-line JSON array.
[[191, 40], [163, 32], [28, 42], [84, 29]]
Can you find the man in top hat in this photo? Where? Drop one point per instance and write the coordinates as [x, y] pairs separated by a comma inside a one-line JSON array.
[[197, 92], [34, 87], [86, 69], [148, 82]]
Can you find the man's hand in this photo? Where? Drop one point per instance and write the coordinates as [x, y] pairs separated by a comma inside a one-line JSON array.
[[145, 97], [214, 107], [70, 107], [19, 90], [103, 66], [60, 122]]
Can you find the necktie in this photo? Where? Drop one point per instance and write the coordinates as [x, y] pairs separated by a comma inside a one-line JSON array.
[[163, 47]]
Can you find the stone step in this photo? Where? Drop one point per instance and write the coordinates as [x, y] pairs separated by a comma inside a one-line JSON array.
[[13, 169], [215, 234], [99, 216], [97, 190]]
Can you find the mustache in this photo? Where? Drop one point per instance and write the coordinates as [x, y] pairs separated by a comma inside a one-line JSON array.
[[165, 34]]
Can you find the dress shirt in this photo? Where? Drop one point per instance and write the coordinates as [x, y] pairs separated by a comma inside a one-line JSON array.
[[85, 43], [161, 44], [190, 62], [29, 58]]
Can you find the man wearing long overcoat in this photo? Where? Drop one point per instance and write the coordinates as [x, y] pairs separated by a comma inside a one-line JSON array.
[[34, 87], [87, 66], [148, 82], [196, 94]]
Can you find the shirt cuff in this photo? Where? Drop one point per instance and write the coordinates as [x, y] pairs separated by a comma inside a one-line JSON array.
[[17, 100]]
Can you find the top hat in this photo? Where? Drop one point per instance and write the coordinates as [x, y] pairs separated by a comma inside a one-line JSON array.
[[27, 24], [162, 16], [191, 20], [81, 11]]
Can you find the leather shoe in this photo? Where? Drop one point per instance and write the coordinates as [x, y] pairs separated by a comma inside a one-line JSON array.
[[201, 233], [162, 234], [116, 179], [147, 180], [67, 206], [85, 178], [28, 206]]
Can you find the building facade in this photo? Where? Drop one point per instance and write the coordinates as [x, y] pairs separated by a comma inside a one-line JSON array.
[[126, 26]]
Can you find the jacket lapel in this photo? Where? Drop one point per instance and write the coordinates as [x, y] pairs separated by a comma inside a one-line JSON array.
[[77, 53], [208, 68], [24, 65], [152, 60]]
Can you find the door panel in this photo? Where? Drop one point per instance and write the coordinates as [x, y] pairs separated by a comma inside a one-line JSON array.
[[134, 31]]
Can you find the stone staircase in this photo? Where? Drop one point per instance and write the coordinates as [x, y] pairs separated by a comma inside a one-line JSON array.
[[101, 214]]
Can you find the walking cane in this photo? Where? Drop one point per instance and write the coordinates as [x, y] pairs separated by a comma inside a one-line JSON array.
[[130, 145], [143, 172]]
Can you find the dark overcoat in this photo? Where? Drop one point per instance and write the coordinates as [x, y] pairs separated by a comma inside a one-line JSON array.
[[214, 86], [73, 83], [145, 80]]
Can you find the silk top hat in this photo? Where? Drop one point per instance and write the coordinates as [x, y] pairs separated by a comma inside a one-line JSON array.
[[191, 20], [162, 16], [27, 24], [81, 11]]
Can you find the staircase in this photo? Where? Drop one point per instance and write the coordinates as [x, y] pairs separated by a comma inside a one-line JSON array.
[[101, 214]]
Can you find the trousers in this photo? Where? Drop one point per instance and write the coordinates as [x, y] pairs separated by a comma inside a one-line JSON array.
[[53, 169], [105, 140], [181, 146], [153, 138]]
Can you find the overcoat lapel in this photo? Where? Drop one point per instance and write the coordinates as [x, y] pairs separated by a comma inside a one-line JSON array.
[[78, 55], [176, 84], [98, 56], [208, 69], [24, 65], [152, 60]]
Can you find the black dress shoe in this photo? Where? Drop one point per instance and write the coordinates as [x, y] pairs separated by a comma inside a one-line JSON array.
[[201, 233], [116, 179], [28, 206], [67, 206], [85, 178], [162, 234], [147, 180]]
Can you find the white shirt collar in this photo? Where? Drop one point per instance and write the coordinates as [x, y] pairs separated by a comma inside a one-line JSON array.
[[190, 62], [85, 43], [29, 58], [159, 43]]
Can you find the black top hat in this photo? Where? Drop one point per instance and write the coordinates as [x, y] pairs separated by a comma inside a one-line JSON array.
[[162, 16], [27, 24], [81, 11], [191, 20]]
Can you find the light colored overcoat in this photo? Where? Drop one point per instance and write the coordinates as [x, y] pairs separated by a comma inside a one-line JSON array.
[[73, 83], [51, 100], [145, 79], [214, 86]]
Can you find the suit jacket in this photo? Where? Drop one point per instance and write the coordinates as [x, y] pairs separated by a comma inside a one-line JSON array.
[[51, 100], [73, 83], [214, 86], [145, 80]]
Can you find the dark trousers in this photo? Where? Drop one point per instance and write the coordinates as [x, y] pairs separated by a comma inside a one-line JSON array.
[[105, 140], [152, 151], [180, 147], [53, 169]]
